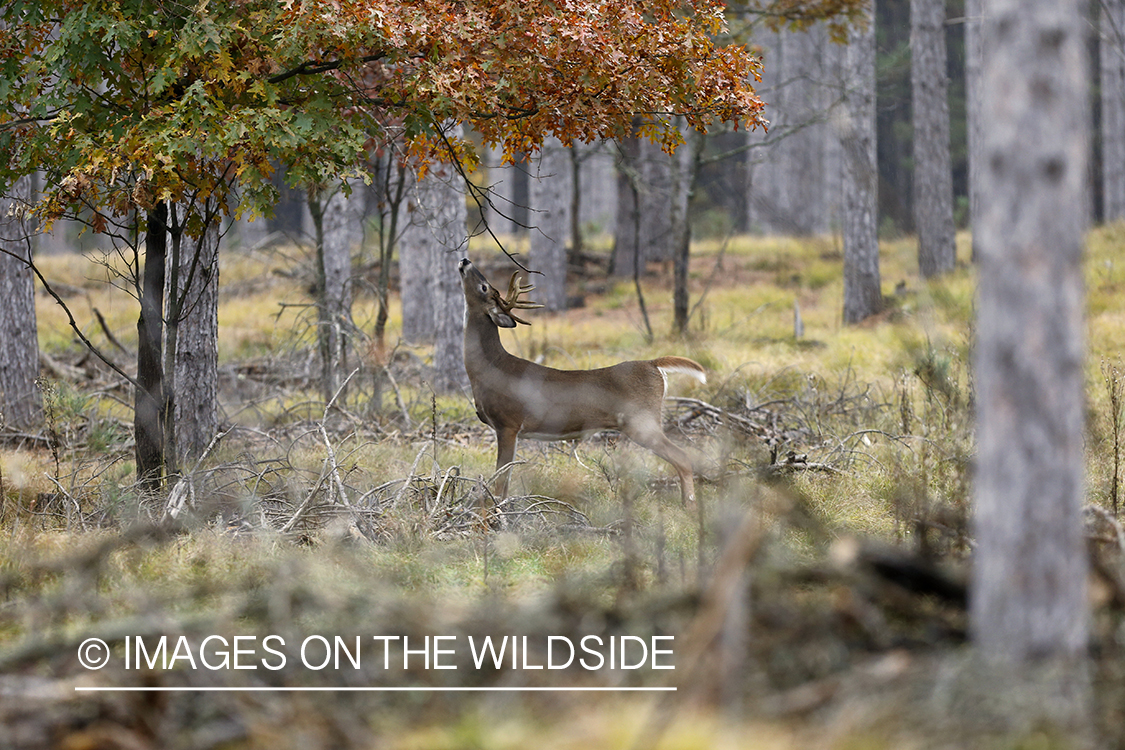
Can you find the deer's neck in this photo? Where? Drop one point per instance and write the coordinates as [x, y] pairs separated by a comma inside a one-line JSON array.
[[483, 350]]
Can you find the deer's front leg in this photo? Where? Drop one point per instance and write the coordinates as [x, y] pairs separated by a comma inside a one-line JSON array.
[[505, 454]]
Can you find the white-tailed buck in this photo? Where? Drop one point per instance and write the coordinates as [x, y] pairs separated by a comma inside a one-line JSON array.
[[520, 398]]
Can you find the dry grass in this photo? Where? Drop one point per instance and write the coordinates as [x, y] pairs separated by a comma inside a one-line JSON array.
[[884, 407]]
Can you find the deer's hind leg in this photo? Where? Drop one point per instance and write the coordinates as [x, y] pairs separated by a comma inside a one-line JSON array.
[[651, 435]]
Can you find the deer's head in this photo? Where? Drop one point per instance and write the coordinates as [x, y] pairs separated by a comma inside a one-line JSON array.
[[483, 297]]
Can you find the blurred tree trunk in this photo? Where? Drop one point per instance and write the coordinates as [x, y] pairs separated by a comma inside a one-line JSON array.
[[974, 25], [794, 180], [658, 196], [417, 258], [434, 239], [449, 310], [337, 221], [626, 240], [1112, 60], [646, 186], [149, 406], [1029, 603], [20, 403], [192, 343], [862, 291], [501, 208], [551, 204], [597, 205], [253, 233], [933, 175]]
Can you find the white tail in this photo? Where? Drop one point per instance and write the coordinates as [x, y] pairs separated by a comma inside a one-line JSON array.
[[520, 398]]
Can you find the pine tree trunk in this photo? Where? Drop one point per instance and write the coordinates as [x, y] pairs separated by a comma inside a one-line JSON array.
[[1029, 575], [20, 403], [193, 334], [862, 291], [933, 176], [974, 104], [551, 196], [1112, 59]]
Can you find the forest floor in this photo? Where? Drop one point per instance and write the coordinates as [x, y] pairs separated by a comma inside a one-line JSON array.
[[814, 597]]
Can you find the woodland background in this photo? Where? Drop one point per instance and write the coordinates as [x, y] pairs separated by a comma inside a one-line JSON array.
[[312, 462]]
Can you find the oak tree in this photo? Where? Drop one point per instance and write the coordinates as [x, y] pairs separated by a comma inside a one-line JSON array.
[[128, 106]]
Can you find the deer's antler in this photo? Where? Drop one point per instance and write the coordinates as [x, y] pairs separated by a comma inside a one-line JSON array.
[[513, 301]]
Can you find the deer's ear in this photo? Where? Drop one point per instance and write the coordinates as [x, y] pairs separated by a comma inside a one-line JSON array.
[[500, 318]]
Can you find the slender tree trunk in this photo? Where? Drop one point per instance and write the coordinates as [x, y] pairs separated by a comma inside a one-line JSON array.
[[20, 403], [551, 196], [687, 169], [335, 301], [1112, 60], [390, 178], [862, 291], [933, 175], [337, 228], [574, 246], [193, 336], [1029, 603], [149, 406], [974, 104]]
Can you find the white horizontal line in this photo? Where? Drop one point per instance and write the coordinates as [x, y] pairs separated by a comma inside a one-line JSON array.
[[427, 689]]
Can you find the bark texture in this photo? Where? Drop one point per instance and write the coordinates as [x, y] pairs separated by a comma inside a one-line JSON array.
[[1029, 576], [433, 240], [417, 256], [551, 203], [149, 405], [340, 233], [933, 175], [21, 405], [196, 342], [974, 108], [856, 128]]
